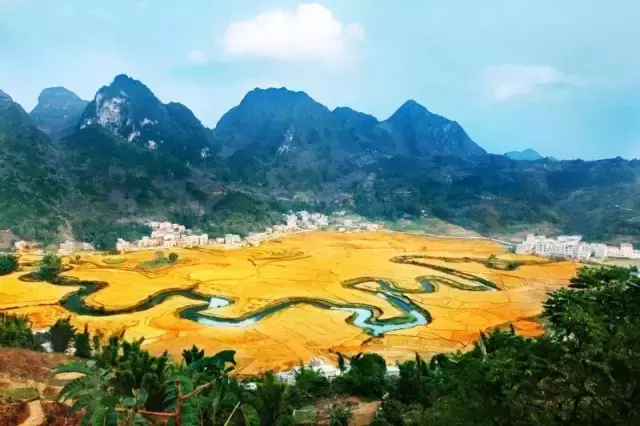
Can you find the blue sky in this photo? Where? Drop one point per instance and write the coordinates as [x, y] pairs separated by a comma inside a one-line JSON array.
[[562, 77]]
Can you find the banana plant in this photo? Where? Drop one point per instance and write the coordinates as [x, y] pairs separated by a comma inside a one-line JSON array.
[[199, 393], [192, 395], [90, 393]]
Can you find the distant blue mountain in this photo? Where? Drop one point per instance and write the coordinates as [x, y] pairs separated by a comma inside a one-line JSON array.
[[525, 155]]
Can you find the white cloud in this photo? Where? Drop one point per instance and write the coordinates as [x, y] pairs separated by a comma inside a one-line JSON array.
[[507, 82], [310, 33], [196, 56]]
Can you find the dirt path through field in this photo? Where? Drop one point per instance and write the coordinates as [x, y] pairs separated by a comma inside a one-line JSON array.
[[364, 413], [36, 415]]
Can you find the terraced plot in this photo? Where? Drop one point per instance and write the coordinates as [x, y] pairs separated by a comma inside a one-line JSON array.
[[303, 296]]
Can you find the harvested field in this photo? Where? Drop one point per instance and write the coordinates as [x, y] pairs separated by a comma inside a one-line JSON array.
[[302, 296]]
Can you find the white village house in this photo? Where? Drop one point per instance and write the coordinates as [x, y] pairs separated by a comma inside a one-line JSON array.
[[573, 247], [167, 235]]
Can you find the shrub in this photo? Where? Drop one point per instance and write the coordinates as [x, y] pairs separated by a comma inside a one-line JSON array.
[[50, 267], [8, 264], [513, 265], [61, 334], [82, 344], [391, 411], [15, 331], [310, 385], [341, 415], [490, 262], [192, 355], [366, 378]]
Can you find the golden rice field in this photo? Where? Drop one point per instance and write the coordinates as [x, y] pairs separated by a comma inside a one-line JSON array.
[[318, 266]]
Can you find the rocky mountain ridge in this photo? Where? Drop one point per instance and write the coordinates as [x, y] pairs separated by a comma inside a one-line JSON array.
[[129, 156], [57, 112]]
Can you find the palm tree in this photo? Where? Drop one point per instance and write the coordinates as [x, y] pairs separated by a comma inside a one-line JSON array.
[[90, 392], [188, 402], [342, 363], [192, 354], [273, 397], [355, 358]]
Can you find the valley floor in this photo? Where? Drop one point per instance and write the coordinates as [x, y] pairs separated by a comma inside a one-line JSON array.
[[466, 296]]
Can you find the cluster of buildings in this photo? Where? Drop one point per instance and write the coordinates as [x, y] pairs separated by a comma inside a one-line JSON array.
[[167, 235], [164, 235], [295, 222], [351, 225], [24, 246], [573, 247], [170, 235], [303, 220], [69, 247]]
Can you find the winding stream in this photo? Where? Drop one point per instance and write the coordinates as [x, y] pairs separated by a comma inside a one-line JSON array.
[[364, 316]]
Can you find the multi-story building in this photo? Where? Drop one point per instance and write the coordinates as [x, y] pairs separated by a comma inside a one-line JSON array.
[[292, 221], [232, 239], [123, 245], [573, 247], [86, 246], [67, 247], [21, 245]]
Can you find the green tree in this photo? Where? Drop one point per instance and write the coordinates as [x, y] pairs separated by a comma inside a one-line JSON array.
[[342, 364], [90, 393], [50, 267], [366, 377], [134, 368], [585, 370], [273, 401], [173, 257], [97, 342], [192, 355], [186, 402], [8, 264], [340, 415], [392, 411], [15, 331], [309, 386], [61, 333], [82, 344], [412, 381]]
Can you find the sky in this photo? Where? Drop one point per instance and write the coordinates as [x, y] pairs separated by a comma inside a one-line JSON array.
[[562, 77]]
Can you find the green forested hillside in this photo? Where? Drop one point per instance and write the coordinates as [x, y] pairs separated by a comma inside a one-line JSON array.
[[130, 157], [597, 198], [34, 184], [58, 112]]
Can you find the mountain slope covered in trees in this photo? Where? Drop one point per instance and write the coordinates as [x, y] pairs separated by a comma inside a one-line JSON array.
[[34, 185], [58, 112], [129, 156]]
